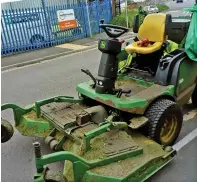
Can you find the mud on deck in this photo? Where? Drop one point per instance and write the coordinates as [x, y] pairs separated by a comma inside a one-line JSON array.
[[151, 150], [130, 85]]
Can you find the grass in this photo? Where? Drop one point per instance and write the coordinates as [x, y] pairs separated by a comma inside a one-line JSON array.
[[60, 34], [162, 7], [120, 19]]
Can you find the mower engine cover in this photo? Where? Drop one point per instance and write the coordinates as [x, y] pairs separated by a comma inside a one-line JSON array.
[[191, 40]]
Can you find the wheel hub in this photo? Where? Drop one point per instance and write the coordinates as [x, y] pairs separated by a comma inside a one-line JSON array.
[[169, 129]]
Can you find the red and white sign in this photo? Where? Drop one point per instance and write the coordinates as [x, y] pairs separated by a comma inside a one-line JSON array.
[[66, 19]]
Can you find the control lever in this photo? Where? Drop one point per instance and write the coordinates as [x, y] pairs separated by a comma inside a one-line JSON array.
[[87, 72], [164, 63], [101, 22], [121, 91], [136, 39]]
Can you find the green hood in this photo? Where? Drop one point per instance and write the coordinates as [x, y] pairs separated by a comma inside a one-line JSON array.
[[191, 40]]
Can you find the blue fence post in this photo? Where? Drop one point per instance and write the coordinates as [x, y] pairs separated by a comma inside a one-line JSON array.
[[46, 19], [98, 14], [85, 19], [9, 30], [3, 32], [110, 10], [106, 12]]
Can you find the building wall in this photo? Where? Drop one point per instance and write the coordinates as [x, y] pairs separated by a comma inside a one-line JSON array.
[[36, 3]]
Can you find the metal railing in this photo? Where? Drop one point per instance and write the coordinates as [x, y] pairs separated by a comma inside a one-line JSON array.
[[24, 29]]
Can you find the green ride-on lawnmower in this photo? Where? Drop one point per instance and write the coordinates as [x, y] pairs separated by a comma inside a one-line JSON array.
[[122, 126]]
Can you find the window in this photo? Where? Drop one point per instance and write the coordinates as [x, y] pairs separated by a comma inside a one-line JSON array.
[[152, 6]]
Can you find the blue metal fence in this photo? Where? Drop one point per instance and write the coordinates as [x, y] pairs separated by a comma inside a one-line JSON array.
[[33, 28]]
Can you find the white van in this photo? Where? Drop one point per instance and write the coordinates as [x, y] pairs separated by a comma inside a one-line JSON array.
[[23, 28], [30, 28]]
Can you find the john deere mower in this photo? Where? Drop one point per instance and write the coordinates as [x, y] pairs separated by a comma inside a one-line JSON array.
[[122, 126]]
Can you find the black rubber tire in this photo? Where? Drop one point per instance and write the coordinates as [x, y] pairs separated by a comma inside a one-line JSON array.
[[136, 24], [157, 113], [194, 97], [7, 131]]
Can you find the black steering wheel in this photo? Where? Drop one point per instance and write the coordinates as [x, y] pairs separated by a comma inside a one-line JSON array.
[[113, 31]]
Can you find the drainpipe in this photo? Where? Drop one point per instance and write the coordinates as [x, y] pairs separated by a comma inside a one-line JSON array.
[[126, 11]]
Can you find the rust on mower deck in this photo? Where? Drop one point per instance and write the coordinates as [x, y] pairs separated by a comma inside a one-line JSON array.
[[131, 110]]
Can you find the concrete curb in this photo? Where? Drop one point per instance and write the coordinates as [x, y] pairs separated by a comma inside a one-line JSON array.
[[55, 56]]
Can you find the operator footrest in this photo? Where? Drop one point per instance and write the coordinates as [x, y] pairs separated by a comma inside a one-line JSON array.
[[62, 115], [118, 146]]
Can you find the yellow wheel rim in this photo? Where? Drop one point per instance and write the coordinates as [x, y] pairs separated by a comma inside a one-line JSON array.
[[169, 129]]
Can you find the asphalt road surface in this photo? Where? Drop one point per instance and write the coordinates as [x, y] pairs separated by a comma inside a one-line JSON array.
[[25, 85]]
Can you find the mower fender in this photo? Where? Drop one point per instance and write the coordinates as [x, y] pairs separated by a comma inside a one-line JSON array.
[[167, 65]]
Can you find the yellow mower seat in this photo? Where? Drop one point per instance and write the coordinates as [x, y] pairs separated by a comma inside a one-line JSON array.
[[152, 28]]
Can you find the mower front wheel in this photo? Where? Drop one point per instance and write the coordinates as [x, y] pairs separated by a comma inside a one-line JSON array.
[[7, 131], [165, 121], [194, 97]]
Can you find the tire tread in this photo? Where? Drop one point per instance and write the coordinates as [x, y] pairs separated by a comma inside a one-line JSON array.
[[154, 113]]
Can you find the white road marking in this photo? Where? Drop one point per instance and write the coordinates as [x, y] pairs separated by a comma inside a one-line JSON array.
[[185, 140], [186, 13], [173, 11]]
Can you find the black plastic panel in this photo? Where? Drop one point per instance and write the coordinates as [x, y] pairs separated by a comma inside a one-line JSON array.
[[168, 67]]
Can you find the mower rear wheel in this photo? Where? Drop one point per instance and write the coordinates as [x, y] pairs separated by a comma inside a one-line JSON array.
[[165, 121], [194, 97]]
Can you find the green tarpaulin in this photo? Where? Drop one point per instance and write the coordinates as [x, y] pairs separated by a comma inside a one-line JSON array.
[[191, 40]]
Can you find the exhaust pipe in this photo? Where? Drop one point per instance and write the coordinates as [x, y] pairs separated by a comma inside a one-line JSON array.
[[7, 131]]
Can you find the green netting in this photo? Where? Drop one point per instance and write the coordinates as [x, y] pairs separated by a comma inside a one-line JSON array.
[[191, 40]]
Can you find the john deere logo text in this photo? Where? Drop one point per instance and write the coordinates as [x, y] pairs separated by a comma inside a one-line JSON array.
[[102, 44]]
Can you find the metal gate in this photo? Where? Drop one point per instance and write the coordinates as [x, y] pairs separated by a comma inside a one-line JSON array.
[[28, 26]]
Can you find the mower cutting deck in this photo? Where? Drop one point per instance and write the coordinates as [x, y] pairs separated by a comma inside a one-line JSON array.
[[122, 125]]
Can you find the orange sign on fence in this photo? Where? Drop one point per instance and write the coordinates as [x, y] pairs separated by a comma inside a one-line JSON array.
[[67, 24], [66, 19]]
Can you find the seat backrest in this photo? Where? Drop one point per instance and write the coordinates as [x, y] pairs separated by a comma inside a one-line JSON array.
[[153, 28], [177, 28]]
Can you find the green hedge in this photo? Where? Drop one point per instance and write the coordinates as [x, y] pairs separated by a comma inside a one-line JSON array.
[[162, 7], [120, 20]]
